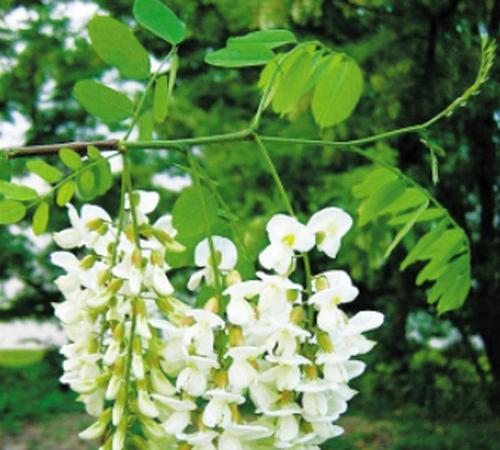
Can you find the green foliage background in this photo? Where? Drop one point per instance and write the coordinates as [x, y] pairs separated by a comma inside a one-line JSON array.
[[417, 55]]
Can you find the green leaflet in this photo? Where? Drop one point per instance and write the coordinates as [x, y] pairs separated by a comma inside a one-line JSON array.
[[102, 101], [381, 199], [158, 18], [240, 56], [41, 218], [85, 183], [188, 217], [17, 192], [269, 38], [407, 227], [444, 248], [70, 158], [337, 92], [293, 82], [65, 193], [11, 212], [160, 99], [45, 171], [117, 46], [146, 126], [20, 357]]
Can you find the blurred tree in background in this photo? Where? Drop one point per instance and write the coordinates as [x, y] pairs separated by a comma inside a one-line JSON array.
[[417, 56]]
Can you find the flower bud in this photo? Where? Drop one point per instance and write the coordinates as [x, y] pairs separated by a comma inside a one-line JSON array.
[[104, 277], [221, 379], [233, 277], [87, 262], [212, 305], [156, 258], [94, 224], [321, 283], [103, 229], [236, 336], [137, 258], [146, 230], [98, 428], [297, 315], [324, 342], [311, 371]]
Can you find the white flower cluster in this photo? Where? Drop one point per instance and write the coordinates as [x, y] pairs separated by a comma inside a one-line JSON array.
[[265, 363]]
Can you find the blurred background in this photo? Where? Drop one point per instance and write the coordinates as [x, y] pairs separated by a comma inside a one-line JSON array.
[[432, 382]]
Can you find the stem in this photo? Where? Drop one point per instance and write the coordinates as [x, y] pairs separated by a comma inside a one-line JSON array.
[[287, 203]]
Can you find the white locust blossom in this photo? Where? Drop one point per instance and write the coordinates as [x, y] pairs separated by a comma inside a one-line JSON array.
[[329, 226], [287, 236], [261, 364]]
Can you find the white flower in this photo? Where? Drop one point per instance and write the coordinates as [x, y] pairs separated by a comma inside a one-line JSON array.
[[286, 235], [145, 202], [225, 255], [242, 373], [90, 229], [202, 440], [329, 225], [201, 334], [217, 411], [235, 435]]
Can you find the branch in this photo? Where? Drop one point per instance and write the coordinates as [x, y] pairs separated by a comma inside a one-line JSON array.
[[43, 150]]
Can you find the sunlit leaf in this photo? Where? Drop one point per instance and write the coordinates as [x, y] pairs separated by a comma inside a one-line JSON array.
[[41, 218], [292, 84], [102, 101], [337, 92], [381, 199], [86, 185], [240, 56], [11, 212], [19, 357], [115, 43], [146, 126], [269, 38], [65, 193], [158, 18], [45, 171], [160, 99], [70, 158], [17, 191]]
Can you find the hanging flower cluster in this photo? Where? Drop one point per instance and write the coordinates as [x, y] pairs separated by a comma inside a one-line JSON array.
[[264, 363]]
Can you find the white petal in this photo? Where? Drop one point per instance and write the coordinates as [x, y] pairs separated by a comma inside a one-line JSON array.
[[239, 311], [364, 321], [91, 212], [288, 428], [195, 279], [276, 257], [146, 405], [68, 238], [161, 283]]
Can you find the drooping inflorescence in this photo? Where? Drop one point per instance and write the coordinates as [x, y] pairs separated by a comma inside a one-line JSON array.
[[260, 365]]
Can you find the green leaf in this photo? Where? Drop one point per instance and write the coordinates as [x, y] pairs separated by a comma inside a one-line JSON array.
[[11, 212], [188, 216], [103, 176], [41, 218], [45, 171], [17, 192], [118, 46], [240, 56], [407, 227], [380, 200], [5, 170], [337, 92], [429, 214], [146, 126], [411, 198], [86, 185], [65, 193], [102, 101], [269, 38], [70, 158], [375, 180], [448, 245], [423, 243], [20, 357], [93, 152], [293, 83], [158, 18], [160, 99]]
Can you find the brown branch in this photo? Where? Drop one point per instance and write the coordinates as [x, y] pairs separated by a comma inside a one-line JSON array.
[[43, 150]]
